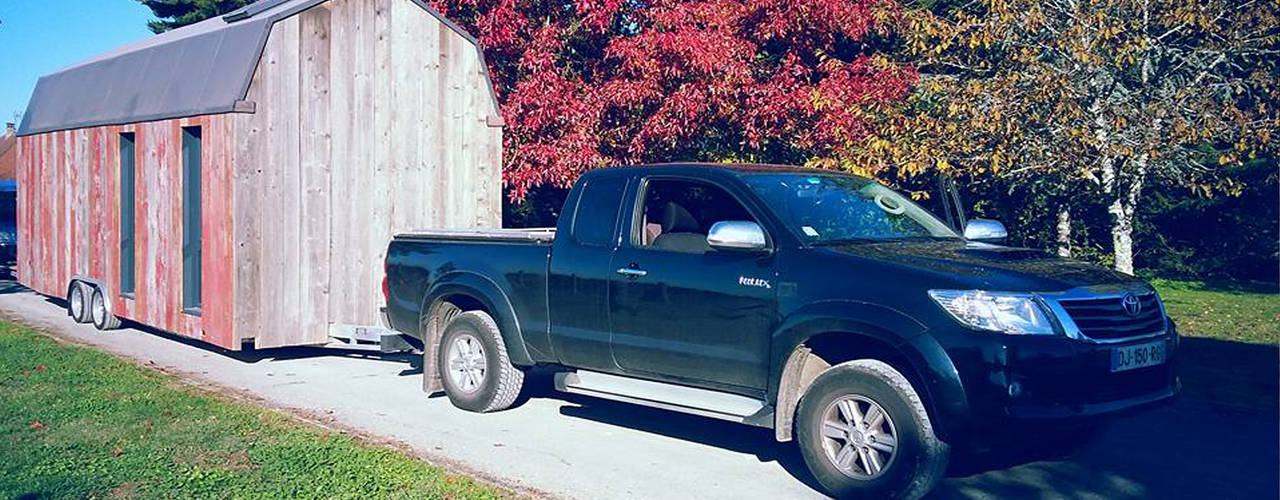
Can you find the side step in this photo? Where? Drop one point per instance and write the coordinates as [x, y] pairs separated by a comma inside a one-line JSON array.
[[703, 402]]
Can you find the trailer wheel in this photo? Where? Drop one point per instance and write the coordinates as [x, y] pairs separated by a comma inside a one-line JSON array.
[[474, 366], [102, 318], [78, 302]]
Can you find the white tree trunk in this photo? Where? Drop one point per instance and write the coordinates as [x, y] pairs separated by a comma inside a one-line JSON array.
[[1123, 206], [1064, 232], [1122, 235]]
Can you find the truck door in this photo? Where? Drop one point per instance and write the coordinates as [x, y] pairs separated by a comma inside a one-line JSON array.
[[578, 279], [681, 310]]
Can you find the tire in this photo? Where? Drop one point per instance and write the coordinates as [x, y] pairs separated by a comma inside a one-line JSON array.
[[78, 302], [916, 459], [486, 381], [102, 318]]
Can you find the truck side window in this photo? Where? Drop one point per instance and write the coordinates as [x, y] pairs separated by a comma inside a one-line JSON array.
[[679, 213], [596, 215]]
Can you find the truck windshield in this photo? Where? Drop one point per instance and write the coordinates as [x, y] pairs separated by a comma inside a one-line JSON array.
[[833, 209]]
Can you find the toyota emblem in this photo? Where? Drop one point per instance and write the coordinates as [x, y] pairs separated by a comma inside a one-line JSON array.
[[1131, 304]]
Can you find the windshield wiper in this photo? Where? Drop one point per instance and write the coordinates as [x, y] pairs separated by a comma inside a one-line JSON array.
[[898, 239], [847, 241]]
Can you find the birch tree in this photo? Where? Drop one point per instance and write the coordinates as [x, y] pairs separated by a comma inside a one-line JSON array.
[[1102, 96]]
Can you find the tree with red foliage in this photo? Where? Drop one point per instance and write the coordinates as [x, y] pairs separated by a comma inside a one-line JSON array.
[[595, 83]]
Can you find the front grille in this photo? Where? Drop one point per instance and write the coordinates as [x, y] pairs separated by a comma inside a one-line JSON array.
[[1106, 319]]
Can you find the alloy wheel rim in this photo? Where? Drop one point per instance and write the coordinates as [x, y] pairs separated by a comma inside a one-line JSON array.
[[77, 303], [466, 363], [859, 437], [99, 310]]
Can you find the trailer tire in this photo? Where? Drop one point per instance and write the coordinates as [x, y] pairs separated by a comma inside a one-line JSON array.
[[474, 366], [78, 302], [102, 317]]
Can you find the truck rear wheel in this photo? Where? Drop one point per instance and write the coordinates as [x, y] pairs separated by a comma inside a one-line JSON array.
[[474, 366], [864, 433]]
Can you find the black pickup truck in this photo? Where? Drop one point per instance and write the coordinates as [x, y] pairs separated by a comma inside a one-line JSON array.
[[819, 304]]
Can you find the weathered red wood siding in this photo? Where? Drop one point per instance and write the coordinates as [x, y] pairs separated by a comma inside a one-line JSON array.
[[69, 220]]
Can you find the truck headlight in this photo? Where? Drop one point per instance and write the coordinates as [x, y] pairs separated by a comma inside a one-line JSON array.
[[1011, 313]]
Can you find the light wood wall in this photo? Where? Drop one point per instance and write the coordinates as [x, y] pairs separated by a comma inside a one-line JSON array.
[[373, 117]]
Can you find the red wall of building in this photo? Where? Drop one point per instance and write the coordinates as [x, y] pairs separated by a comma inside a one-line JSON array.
[[69, 220]]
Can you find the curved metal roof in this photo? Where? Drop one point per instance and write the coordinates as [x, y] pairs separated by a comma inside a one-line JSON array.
[[203, 68]]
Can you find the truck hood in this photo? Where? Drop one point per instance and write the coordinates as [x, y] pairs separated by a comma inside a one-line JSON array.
[[987, 267]]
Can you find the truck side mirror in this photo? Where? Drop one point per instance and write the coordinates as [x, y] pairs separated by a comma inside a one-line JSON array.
[[985, 230], [736, 235]]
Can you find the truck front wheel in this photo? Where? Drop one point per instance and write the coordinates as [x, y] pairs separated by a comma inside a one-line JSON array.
[[474, 366], [864, 433]]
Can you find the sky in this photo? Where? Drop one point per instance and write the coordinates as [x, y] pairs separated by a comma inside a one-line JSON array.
[[38, 37]]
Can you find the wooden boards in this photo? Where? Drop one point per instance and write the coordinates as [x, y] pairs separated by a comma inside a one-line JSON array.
[[69, 220], [370, 117], [375, 117]]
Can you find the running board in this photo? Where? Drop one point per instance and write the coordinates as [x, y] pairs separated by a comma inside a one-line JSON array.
[[702, 402]]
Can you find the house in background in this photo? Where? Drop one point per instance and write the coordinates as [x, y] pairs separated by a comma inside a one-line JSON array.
[[238, 180], [8, 153], [8, 195]]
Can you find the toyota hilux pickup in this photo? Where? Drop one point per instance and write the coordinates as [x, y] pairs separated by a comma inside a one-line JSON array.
[[823, 305]]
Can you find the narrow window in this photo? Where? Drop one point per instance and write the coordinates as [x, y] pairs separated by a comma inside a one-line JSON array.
[[595, 221], [127, 228], [191, 237]]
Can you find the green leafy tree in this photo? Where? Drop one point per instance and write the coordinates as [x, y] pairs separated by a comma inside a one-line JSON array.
[[1102, 97], [172, 14]]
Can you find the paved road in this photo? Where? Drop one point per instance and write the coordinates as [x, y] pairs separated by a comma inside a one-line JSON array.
[[576, 447]]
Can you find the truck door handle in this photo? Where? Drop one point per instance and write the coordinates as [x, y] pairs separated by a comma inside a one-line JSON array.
[[632, 272]]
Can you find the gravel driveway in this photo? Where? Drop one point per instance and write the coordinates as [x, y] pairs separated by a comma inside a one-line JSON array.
[[568, 446]]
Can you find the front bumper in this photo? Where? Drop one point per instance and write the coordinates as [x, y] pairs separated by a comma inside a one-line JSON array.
[[1009, 380], [1086, 410]]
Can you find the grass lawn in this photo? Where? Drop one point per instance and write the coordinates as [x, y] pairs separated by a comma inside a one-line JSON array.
[[1229, 350], [1241, 314], [78, 423]]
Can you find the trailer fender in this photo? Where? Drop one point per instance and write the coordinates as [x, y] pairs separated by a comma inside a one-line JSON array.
[[99, 284]]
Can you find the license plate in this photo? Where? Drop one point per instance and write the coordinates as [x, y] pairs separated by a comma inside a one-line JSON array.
[[1137, 356]]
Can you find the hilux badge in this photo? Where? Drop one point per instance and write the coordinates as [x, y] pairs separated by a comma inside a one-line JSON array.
[[756, 282], [1131, 304]]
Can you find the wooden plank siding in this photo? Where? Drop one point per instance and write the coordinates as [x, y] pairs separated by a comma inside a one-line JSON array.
[[375, 116], [369, 117], [69, 220]]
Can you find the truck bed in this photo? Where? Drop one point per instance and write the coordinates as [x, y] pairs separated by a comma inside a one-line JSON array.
[[536, 235], [514, 261]]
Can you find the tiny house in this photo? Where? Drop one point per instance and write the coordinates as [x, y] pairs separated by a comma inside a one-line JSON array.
[[237, 180]]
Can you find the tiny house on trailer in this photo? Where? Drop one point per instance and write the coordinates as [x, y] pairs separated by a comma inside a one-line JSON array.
[[237, 180]]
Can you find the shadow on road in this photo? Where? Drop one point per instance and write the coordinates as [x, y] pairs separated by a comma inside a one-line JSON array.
[[1189, 449], [727, 435], [1217, 441], [250, 355]]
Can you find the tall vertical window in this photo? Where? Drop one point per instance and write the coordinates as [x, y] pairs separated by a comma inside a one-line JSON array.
[[191, 237], [127, 228]]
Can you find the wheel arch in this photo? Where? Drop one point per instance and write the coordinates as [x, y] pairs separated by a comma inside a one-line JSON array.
[[109, 299], [827, 334], [460, 292]]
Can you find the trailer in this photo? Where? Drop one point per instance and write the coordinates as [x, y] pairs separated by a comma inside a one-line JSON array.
[[236, 180]]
